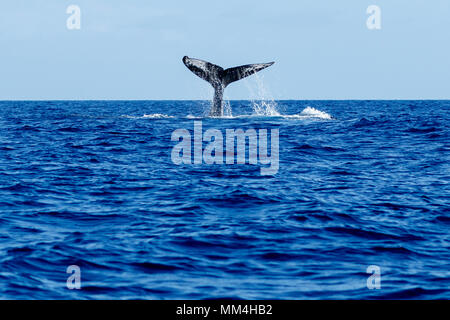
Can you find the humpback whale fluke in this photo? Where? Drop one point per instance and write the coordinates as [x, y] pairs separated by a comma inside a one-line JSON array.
[[220, 78]]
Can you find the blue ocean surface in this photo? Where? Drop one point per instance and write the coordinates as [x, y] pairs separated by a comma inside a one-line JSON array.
[[92, 184]]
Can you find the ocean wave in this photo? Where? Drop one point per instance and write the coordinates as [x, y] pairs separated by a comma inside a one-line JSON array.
[[109, 199]]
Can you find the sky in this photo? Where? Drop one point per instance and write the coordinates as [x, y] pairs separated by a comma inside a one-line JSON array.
[[133, 49]]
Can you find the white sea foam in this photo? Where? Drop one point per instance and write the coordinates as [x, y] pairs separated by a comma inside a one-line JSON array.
[[267, 110], [156, 116], [307, 113], [310, 112], [149, 116], [190, 116]]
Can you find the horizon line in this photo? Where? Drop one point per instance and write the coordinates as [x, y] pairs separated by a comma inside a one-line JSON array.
[[289, 99]]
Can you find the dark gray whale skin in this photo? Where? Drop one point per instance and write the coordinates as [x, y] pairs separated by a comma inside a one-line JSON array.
[[220, 78]]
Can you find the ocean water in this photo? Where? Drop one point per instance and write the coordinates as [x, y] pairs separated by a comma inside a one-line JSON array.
[[92, 184]]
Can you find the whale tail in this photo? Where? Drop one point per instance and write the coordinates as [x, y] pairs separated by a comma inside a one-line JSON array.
[[220, 78]]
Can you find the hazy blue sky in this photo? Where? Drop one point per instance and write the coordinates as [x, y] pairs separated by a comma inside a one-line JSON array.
[[132, 49]]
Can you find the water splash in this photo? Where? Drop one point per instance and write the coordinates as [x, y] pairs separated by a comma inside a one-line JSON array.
[[265, 108], [314, 113], [264, 104], [227, 112]]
